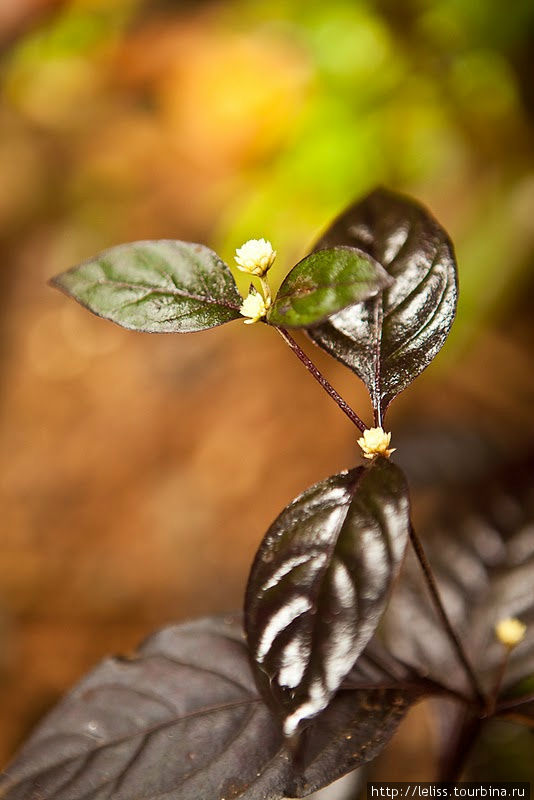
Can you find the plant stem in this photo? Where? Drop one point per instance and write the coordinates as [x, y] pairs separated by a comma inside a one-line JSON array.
[[453, 636], [461, 746], [492, 702], [506, 705], [320, 378], [266, 289]]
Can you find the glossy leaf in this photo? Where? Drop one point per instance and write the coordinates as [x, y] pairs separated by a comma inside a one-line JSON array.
[[326, 282], [158, 287], [182, 720], [480, 543], [319, 585], [390, 339]]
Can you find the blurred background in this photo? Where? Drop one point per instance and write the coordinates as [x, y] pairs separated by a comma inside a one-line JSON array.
[[139, 473]]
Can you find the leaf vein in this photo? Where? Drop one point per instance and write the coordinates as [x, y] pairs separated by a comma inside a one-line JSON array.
[[164, 291], [425, 325], [127, 737]]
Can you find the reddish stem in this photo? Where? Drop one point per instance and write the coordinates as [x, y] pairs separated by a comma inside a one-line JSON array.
[[320, 378]]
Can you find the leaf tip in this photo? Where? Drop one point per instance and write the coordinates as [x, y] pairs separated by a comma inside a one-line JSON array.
[[55, 282]]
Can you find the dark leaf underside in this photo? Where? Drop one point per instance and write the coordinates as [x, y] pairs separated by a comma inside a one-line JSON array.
[[182, 720], [480, 542]]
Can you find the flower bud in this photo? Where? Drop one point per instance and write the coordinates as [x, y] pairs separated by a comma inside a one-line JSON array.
[[374, 442], [255, 257], [254, 306], [510, 632]]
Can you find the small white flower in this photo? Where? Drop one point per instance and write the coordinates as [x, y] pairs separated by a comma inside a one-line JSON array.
[[255, 257], [254, 306], [375, 441], [510, 632]]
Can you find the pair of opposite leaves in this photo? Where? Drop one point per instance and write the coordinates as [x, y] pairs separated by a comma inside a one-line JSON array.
[[181, 718], [378, 292]]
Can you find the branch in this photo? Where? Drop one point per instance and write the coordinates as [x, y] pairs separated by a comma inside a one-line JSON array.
[[319, 377], [440, 608]]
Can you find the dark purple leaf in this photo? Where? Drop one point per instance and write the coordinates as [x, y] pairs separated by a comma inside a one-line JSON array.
[[182, 720], [163, 286], [480, 543], [320, 583], [390, 339]]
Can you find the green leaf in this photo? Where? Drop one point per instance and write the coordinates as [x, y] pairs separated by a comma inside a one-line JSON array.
[[325, 282], [159, 287], [390, 339], [320, 584]]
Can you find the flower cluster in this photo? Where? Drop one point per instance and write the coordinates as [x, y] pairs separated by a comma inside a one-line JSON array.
[[375, 442], [254, 306], [255, 257]]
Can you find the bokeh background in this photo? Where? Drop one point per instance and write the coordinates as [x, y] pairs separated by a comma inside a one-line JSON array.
[[138, 473]]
